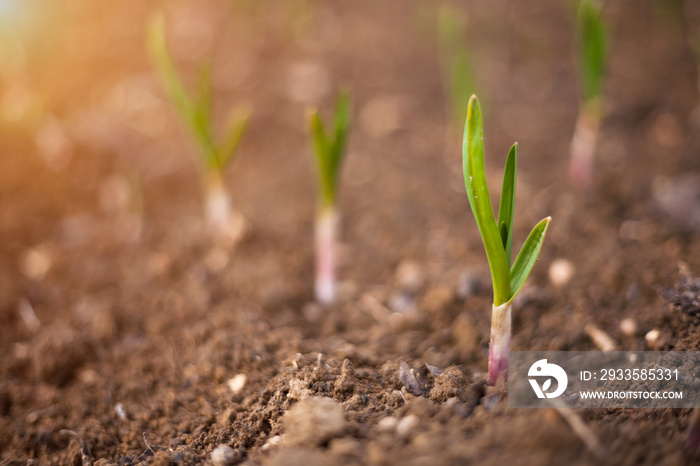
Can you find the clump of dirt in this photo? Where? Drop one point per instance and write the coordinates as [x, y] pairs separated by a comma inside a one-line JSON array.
[[685, 295]]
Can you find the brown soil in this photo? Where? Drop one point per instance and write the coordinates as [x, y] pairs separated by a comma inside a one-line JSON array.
[[138, 336]]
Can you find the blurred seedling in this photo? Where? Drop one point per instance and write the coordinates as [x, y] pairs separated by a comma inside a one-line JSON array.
[[328, 148], [593, 50], [216, 153], [497, 236], [457, 76]]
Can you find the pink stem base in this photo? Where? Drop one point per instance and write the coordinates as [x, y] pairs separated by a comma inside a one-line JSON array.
[[325, 286], [217, 206], [582, 149], [499, 346]]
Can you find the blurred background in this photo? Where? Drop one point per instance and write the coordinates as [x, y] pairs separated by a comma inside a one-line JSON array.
[[103, 257]]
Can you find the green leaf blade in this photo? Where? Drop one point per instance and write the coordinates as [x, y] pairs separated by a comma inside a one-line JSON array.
[[341, 123], [593, 48], [480, 201], [329, 147], [321, 151], [158, 50], [458, 77], [236, 126], [190, 111], [527, 257], [506, 210]]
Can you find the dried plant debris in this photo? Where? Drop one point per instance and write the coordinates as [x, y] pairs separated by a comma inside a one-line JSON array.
[[685, 295], [85, 454], [419, 381]]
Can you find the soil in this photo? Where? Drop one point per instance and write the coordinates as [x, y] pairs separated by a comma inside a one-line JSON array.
[[123, 321]]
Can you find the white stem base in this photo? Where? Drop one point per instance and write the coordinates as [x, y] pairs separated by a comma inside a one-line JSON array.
[[325, 286], [499, 346], [217, 208], [582, 149]]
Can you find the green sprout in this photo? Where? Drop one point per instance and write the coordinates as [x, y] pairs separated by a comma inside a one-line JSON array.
[[458, 78], [328, 148], [497, 236], [593, 51], [216, 153]]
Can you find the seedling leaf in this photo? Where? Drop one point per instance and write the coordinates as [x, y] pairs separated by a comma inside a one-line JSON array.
[[237, 123], [480, 201], [506, 210], [594, 44], [329, 148], [527, 257], [340, 126], [192, 112], [458, 78], [158, 50]]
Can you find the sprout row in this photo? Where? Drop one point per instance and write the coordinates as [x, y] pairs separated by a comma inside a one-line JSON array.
[[328, 143]]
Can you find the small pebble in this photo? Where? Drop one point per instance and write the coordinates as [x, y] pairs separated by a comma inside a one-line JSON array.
[[561, 271], [387, 424], [271, 442], [313, 421], [410, 276], [223, 455], [35, 263], [298, 389], [345, 446], [628, 326], [652, 336], [237, 383], [406, 426], [600, 338], [120, 411]]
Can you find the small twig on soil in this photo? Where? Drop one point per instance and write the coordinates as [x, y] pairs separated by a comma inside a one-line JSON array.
[[402, 396], [85, 454], [601, 339], [148, 447], [26, 312], [318, 360], [579, 427]]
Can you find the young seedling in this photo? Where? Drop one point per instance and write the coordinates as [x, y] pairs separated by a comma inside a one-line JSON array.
[[457, 76], [328, 148], [216, 154], [593, 47], [497, 236]]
